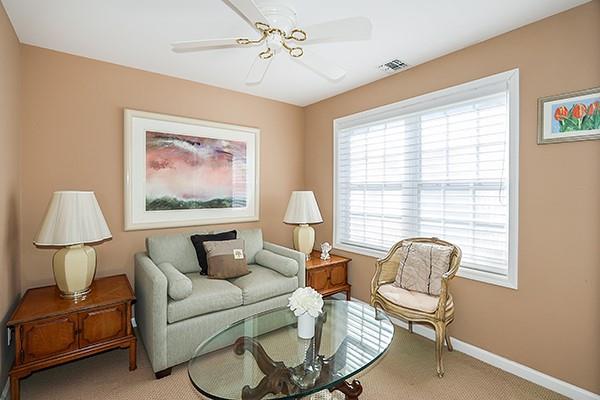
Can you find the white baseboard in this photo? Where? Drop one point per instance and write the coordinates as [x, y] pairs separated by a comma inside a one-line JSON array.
[[4, 394], [520, 370]]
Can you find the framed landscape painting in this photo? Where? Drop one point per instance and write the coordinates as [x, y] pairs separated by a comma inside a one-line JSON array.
[[183, 172], [569, 117]]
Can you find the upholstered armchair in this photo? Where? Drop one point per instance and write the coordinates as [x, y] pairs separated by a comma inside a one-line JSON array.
[[429, 306]]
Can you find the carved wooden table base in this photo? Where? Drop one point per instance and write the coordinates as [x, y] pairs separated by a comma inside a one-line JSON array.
[[280, 378], [351, 390]]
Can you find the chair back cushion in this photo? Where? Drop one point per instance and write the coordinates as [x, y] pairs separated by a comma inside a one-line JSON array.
[[421, 266]]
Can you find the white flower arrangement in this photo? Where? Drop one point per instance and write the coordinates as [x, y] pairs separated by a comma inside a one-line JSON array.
[[306, 300]]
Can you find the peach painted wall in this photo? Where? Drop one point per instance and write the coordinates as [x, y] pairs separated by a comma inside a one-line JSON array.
[[72, 138], [551, 323], [10, 77]]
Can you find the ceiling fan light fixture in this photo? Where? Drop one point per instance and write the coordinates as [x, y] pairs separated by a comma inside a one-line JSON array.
[[276, 25]]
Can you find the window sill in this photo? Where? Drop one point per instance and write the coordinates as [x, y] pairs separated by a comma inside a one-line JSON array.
[[463, 272]]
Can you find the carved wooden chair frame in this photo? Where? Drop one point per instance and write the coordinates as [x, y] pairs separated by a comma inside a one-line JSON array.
[[385, 273]]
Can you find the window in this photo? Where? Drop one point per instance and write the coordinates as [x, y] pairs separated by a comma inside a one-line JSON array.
[[444, 164]]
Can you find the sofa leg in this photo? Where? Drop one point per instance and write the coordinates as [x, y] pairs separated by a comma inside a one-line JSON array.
[[163, 373]]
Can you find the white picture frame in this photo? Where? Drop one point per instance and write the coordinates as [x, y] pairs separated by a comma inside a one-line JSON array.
[[145, 209]]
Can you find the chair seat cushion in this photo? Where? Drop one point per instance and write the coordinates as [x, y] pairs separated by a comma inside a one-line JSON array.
[[264, 283], [208, 295], [405, 298]]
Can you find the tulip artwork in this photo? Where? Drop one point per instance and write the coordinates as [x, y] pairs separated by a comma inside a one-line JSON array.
[[577, 117], [569, 117]]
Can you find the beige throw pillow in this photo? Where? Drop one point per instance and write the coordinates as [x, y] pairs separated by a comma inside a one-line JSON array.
[[226, 259], [422, 266]]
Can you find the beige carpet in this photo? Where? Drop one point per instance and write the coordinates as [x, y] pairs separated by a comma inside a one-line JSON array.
[[407, 371]]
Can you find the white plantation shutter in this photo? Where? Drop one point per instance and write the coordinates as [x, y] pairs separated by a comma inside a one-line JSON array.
[[433, 167]]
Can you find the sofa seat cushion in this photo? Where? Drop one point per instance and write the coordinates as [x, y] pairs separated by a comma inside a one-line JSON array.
[[406, 298], [264, 283], [208, 295]]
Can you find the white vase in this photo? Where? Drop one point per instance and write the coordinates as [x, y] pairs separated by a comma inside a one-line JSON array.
[[306, 326]]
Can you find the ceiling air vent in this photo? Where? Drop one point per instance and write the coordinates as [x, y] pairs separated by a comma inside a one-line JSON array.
[[393, 66]]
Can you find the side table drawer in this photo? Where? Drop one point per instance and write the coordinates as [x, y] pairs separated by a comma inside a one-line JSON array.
[[102, 324], [46, 338]]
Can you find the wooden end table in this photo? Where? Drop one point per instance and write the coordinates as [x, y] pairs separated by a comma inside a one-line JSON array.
[[49, 330], [328, 276]]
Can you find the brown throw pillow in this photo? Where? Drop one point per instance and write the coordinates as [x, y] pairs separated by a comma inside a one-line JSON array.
[[226, 259], [198, 241], [422, 266]]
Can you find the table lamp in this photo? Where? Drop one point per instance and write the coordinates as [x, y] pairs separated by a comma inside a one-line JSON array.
[[303, 210], [73, 219]]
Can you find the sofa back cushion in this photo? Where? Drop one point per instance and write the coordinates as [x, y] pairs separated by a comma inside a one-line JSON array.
[[176, 249], [253, 240]]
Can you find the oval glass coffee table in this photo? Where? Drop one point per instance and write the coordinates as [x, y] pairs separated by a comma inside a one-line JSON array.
[[261, 357]]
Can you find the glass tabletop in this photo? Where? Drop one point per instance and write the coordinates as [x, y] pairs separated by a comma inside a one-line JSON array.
[[262, 357]]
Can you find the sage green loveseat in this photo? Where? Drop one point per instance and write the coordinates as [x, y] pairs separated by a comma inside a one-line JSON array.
[[172, 329]]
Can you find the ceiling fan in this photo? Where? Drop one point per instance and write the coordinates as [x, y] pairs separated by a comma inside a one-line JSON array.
[[278, 32]]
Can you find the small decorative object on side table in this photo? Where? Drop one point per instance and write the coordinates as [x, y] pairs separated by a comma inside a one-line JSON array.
[[328, 276], [325, 249], [50, 330]]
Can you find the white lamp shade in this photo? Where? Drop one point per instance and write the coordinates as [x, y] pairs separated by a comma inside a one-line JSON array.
[[302, 209], [72, 218]]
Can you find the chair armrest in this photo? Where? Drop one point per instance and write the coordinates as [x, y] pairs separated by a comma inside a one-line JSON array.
[[151, 309], [293, 254]]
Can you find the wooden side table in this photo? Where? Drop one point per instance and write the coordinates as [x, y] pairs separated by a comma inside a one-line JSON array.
[[328, 276], [51, 331]]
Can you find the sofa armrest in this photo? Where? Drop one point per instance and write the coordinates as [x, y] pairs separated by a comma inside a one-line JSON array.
[[151, 309], [293, 254]]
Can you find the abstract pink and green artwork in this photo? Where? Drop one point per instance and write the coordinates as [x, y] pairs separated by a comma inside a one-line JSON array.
[[189, 172]]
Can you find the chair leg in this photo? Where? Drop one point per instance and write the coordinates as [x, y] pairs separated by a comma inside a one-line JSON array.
[[440, 329], [410, 329], [448, 342]]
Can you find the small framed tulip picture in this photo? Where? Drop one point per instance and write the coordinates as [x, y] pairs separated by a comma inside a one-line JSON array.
[[569, 117]]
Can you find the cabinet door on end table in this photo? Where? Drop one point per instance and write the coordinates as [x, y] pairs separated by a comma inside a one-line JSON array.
[[45, 338], [318, 279], [102, 324]]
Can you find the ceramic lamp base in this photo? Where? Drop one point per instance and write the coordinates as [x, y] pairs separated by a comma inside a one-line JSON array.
[[304, 239], [74, 269]]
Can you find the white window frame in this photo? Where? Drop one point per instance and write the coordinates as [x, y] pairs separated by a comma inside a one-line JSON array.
[[509, 80]]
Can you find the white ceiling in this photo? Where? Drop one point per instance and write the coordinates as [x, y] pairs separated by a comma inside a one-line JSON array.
[[138, 34]]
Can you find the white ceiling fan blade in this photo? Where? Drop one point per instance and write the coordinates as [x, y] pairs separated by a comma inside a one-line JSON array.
[[248, 10], [258, 70], [196, 45], [321, 66], [339, 30]]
